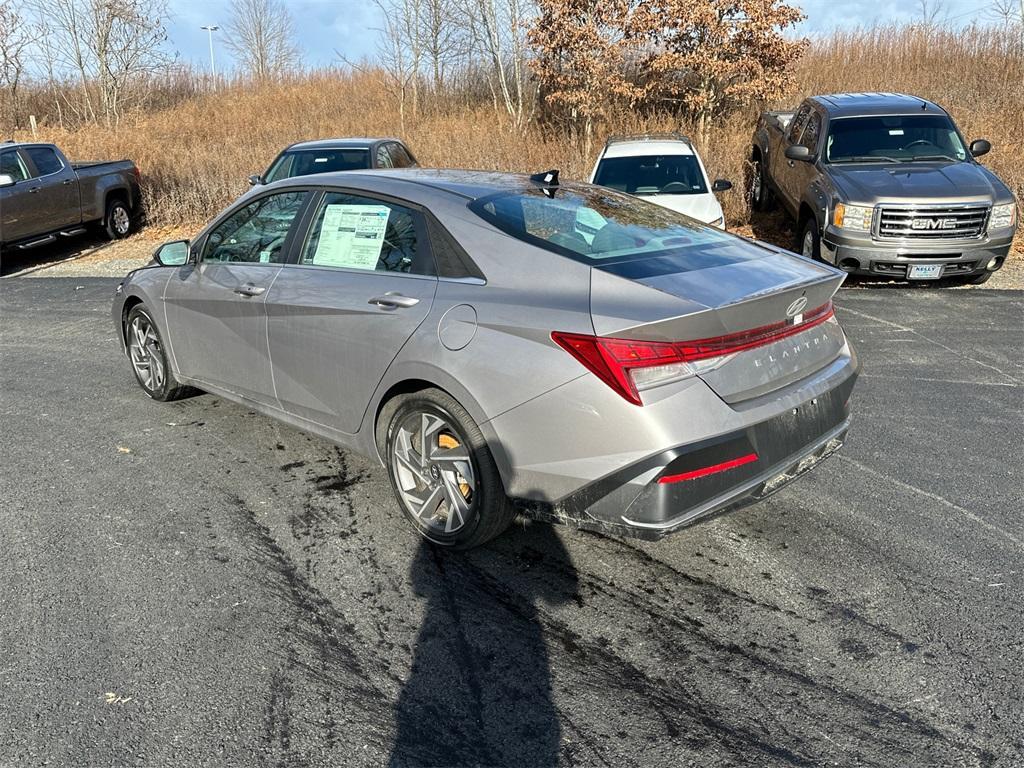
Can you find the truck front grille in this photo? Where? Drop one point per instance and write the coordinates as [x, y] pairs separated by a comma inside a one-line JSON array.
[[932, 222]]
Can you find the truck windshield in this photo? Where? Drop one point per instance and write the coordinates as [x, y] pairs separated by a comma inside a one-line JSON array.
[[899, 138], [652, 175], [606, 229], [304, 162]]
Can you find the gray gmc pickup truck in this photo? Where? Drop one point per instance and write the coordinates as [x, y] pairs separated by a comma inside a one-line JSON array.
[[884, 184], [43, 196]]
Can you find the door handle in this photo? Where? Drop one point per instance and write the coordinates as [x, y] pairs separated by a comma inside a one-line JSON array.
[[33, 190], [249, 290], [394, 300], [66, 182], [792, 163]]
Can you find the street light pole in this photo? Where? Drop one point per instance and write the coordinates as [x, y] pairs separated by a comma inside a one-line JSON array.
[[210, 29]]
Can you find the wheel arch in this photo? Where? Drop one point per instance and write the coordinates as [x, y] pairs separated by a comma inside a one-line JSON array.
[[414, 377]]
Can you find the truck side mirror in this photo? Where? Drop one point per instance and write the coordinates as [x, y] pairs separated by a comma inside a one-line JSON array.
[[6, 180], [980, 147], [255, 180], [799, 153], [172, 254], [720, 185]]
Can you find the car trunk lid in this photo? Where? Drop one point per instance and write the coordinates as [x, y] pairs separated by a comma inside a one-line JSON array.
[[769, 295]]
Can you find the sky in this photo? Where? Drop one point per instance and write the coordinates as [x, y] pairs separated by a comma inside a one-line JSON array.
[[326, 27]]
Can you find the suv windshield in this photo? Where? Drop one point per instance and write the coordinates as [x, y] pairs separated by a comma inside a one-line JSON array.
[[897, 138], [652, 175], [613, 231], [303, 162]]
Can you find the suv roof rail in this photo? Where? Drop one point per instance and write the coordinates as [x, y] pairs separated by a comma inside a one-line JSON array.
[[656, 136]]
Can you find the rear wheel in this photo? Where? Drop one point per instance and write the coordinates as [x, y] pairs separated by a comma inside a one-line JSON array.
[[148, 358], [442, 471], [118, 221], [810, 240], [760, 195]]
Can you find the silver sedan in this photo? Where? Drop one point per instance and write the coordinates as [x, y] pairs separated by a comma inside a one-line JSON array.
[[505, 344]]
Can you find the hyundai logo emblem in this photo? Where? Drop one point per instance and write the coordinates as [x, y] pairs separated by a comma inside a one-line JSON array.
[[796, 307]]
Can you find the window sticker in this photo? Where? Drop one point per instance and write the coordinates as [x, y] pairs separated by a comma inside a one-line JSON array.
[[895, 131], [352, 236]]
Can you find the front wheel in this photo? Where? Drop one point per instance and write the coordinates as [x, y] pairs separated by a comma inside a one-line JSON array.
[[810, 240], [148, 357], [442, 471]]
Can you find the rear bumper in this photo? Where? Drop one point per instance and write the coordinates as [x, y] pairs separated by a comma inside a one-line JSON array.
[[632, 502], [893, 259]]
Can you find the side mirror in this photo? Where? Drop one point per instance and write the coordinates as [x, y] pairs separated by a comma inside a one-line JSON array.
[[721, 185], [255, 180], [980, 147], [6, 180], [799, 153], [172, 254]]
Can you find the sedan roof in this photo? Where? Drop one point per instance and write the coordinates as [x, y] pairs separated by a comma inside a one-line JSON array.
[[470, 185], [345, 143]]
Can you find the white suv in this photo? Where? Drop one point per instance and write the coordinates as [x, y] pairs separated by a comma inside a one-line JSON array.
[[662, 168]]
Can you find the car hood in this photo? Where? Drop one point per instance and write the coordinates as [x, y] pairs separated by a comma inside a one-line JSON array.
[[917, 182], [704, 207]]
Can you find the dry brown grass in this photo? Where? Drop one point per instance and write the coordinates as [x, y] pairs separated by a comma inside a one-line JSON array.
[[195, 156]]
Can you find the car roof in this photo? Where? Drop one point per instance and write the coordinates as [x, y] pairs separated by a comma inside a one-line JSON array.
[[343, 143], [467, 184], [865, 104], [643, 146]]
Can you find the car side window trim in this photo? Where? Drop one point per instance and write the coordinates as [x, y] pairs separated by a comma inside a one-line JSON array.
[[303, 234], [289, 242]]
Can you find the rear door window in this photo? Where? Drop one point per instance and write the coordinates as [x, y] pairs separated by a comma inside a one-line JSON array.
[[45, 160], [354, 232], [383, 157], [12, 165], [797, 125], [256, 233]]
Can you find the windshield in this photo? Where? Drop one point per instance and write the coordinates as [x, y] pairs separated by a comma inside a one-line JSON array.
[[613, 231], [652, 175], [304, 162], [898, 138]]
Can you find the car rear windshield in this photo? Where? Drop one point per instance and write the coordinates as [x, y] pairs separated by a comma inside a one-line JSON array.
[[896, 137], [613, 231], [652, 175], [303, 162]]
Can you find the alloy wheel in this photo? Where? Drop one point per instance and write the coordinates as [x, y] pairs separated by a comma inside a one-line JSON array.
[[144, 350], [120, 219], [433, 472], [755, 183], [808, 244]]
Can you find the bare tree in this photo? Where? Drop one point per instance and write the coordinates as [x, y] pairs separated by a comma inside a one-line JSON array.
[[498, 29], [443, 39], [933, 13], [261, 36], [112, 48], [1008, 11], [16, 37]]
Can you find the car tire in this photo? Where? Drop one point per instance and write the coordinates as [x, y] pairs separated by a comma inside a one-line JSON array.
[[761, 197], [148, 357], [442, 471], [117, 222], [810, 240]]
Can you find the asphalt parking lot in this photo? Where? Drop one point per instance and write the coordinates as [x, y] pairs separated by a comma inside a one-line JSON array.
[[193, 584]]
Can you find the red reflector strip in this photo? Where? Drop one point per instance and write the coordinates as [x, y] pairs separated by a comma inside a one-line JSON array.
[[712, 470]]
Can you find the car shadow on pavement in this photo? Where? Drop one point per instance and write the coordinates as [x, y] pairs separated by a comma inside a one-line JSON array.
[[480, 690]]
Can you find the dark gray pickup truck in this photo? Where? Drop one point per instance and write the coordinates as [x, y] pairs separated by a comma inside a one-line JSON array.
[[43, 196], [884, 184]]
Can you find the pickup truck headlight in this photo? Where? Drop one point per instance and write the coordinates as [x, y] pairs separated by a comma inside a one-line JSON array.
[[1003, 216], [852, 217]]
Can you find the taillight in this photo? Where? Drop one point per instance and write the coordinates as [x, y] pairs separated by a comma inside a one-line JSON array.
[[628, 365]]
